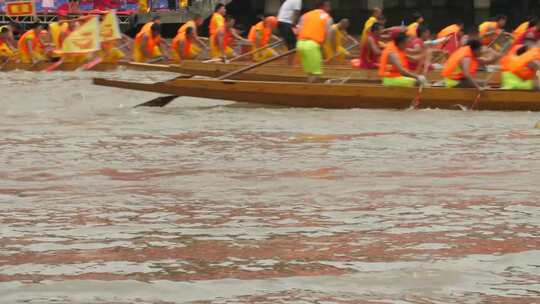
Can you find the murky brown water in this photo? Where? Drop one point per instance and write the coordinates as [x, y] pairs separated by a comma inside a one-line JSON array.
[[205, 202]]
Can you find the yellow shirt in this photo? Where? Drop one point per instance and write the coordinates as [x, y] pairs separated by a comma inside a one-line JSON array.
[[367, 27]]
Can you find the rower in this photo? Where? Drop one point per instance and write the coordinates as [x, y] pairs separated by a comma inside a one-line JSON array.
[[31, 48], [533, 32], [453, 29], [421, 47], [460, 69], [333, 48], [371, 51], [217, 21], [313, 30], [523, 27], [8, 37], [490, 30], [185, 43], [223, 40], [375, 18], [146, 47], [260, 35], [413, 27], [6, 52], [148, 25], [394, 66], [520, 67]]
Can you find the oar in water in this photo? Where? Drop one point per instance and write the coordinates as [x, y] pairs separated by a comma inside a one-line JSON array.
[[276, 43], [165, 100], [92, 63], [416, 101], [54, 66]]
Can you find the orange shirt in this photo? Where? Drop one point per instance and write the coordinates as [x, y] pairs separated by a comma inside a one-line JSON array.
[[185, 26], [520, 30], [314, 26], [146, 27], [266, 34], [412, 29], [35, 42], [449, 30], [217, 22], [387, 69], [452, 68]]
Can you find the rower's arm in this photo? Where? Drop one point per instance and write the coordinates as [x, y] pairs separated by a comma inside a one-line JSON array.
[[374, 47], [296, 15], [395, 61], [465, 65], [237, 36], [258, 38], [221, 43]]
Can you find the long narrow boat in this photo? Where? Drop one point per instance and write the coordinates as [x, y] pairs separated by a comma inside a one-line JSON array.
[[336, 96], [11, 66]]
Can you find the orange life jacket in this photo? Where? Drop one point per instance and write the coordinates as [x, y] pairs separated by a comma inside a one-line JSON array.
[[265, 31], [520, 30], [151, 42], [484, 28], [314, 26], [35, 41], [387, 69], [449, 30], [507, 59], [452, 68], [519, 65], [185, 26], [216, 22], [146, 27]]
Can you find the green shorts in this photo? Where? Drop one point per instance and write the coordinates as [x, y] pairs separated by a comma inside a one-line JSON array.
[[311, 56], [451, 83], [511, 81], [404, 82]]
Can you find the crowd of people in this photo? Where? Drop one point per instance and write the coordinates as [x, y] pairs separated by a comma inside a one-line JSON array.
[[403, 55]]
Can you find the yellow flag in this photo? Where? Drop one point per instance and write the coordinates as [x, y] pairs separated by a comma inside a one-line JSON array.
[[110, 29], [84, 39]]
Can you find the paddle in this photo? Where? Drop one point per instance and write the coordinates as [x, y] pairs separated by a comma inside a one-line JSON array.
[[54, 66], [416, 101], [165, 100], [276, 43], [92, 63], [350, 47]]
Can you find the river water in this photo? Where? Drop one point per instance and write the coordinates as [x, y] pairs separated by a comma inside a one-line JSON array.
[[213, 202]]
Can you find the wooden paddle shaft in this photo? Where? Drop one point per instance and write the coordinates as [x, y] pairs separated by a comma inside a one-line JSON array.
[[257, 50], [258, 64]]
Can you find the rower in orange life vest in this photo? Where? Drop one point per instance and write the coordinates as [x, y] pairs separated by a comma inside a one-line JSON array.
[[460, 69], [147, 26], [523, 27], [520, 65], [490, 30], [224, 39], [533, 32], [370, 52], [6, 51], [334, 48], [313, 31], [146, 47], [31, 47], [394, 65], [413, 27], [260, 35], [217, 21], [187, 44]]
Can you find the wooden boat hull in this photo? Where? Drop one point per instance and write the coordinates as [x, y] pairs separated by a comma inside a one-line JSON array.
[[11, 66], [336, 96]]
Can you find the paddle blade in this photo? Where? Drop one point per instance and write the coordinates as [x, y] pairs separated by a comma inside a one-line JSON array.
[[158, 102], [92, 64], [54, 66]]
